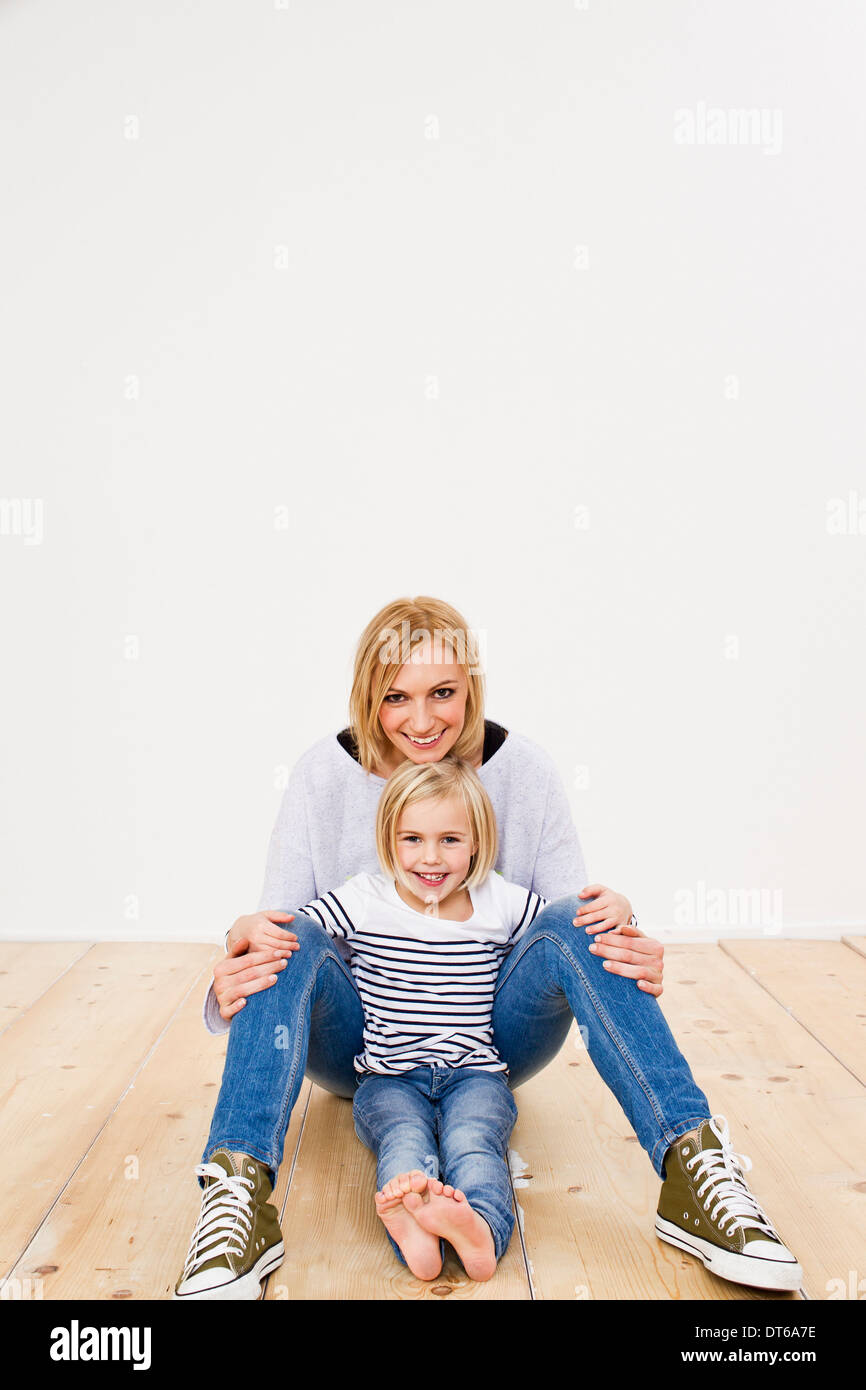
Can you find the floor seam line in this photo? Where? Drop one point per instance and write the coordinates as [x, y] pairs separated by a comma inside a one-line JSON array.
[[42, 994], [790, 1012]]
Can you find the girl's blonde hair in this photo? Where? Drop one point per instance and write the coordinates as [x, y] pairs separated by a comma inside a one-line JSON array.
[[386, 644], [434, 781]]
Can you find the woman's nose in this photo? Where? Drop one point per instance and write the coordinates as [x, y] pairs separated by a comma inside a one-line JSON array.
[[421, 724]]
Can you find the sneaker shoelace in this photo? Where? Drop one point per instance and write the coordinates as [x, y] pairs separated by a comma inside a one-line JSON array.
[[723, 1173], [225, 1222]]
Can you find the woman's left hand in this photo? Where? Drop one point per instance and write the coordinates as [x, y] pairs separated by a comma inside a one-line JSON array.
[[626, 949]]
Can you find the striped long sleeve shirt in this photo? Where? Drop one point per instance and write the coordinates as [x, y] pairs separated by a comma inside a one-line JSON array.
[[426, 983]]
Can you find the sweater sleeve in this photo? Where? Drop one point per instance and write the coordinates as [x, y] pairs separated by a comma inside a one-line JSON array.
[[559, 868], [289, 878]]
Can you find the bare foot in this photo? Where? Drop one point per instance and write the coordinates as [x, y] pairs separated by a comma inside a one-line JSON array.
[[420, 1248], [444, 1211]]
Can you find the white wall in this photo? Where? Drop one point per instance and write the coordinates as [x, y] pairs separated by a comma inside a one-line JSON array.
[[445, 281]]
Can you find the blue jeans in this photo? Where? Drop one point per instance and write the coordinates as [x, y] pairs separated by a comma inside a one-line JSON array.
[[451, 1122], [311, 1023]]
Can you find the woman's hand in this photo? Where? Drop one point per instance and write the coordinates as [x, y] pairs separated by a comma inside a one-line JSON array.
[[256, 950], [626, 948]]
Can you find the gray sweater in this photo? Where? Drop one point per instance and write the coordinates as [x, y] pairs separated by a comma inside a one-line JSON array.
[[325, 829]]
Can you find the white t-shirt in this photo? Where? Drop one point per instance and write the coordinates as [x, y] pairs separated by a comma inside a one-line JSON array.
[[426, 983]]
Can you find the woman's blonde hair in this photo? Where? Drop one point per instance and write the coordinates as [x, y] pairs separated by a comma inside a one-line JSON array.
[[387, 644], [434, 782]]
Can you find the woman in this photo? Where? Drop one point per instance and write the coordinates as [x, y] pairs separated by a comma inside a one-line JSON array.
[[417, 693]]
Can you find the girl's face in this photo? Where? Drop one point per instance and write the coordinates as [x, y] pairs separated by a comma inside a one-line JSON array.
[[424, 708], [434, 847]]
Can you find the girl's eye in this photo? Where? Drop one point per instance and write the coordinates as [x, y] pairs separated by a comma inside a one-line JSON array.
[[446, 691], [391, 699], [451, 839]]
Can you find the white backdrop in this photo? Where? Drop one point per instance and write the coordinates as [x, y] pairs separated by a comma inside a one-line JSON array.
[[552, 310]]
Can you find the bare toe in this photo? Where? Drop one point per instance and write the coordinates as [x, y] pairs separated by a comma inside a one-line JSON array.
[[386, 1201]]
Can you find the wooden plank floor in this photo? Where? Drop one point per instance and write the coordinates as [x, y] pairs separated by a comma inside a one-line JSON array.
[[108, 1080]]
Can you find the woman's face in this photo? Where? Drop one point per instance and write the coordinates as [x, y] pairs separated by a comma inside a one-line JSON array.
[[424, 708]]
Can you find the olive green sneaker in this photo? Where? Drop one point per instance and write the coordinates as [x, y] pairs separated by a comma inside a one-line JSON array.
[[237, 1239], [706, 1209]]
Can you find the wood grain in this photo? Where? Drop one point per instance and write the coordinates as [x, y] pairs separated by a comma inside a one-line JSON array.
[[66, 1062], [822, 983], [28, 968]]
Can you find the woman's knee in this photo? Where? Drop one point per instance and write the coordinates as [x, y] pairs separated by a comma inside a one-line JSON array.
[[299, 978], [565, 908], [307, 929], [314, 946], [556, 923]]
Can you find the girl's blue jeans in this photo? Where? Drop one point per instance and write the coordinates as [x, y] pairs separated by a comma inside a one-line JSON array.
[[311, 1023], [451, 1122]]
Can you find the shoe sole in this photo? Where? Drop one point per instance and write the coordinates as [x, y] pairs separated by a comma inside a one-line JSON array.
[[247, 1286], [783, 1276]]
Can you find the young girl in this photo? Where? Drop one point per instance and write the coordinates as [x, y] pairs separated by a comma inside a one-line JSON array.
[[427, 937]]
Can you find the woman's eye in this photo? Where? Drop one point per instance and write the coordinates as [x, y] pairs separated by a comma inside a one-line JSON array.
[[391, 699], [446, 691]]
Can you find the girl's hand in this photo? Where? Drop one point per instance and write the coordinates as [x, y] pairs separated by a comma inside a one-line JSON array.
[[245, 970], [629, 951], [260, 931]]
